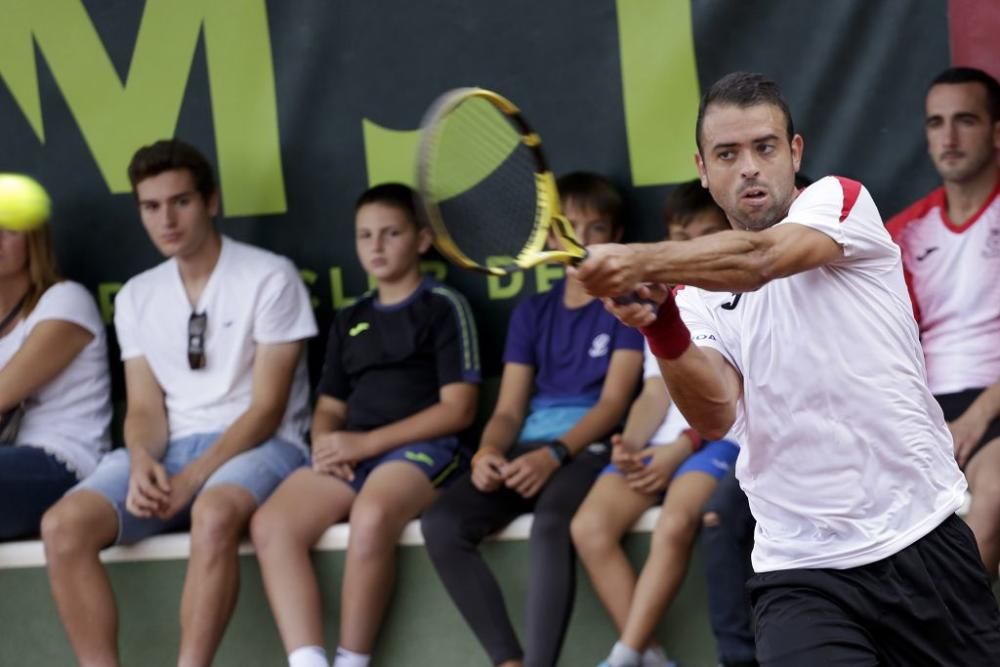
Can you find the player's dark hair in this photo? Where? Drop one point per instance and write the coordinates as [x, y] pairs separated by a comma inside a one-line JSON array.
[[589, 190], [743, 89], [686, 201], [168, 155], [395, 195], [954, 75]]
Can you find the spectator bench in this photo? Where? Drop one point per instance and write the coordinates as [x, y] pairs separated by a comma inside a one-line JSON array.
[[422, 627]]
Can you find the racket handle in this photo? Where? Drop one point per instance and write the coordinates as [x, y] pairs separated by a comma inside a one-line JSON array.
[[632, 297]]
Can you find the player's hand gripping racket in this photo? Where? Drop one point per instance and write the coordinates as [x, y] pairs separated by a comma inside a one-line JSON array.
[[486, 187]]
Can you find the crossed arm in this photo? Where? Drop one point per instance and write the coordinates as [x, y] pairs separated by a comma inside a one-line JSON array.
[[50, 347]]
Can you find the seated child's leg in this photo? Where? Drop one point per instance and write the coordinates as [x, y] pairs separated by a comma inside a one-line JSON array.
[[284, 529], [727, 539], [552, 572], [394, 493], [609, 510], [673, 538], [453, 528]]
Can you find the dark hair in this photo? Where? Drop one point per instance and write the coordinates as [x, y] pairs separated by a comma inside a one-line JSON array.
[[396, 195], [954, 75], [743, 89], [589, 190], [686, 201], [168, 155]]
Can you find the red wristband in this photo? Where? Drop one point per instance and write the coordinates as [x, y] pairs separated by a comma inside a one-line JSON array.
[[668, 336], [694, 437]]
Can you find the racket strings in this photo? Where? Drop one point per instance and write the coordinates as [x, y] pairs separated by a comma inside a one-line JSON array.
[[481, 176]]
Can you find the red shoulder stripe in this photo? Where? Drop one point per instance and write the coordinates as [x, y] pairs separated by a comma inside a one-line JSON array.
[[851, 191]]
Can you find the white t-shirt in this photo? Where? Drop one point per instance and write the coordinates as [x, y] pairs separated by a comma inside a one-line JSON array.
[[69, 417], [953, 277], [673, 423], [252, 297], [846, 458]]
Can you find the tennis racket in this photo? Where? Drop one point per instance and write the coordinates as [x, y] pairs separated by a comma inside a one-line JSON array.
[[486, 188]]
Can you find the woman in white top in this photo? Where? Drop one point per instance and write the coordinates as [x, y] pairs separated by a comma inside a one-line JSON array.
[[54, 387]]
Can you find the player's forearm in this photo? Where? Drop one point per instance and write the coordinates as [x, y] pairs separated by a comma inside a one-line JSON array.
[[646, 414], [436, 421], [727, 262], [701, 393]]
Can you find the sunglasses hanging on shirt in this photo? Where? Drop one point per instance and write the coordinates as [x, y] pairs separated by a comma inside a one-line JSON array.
[[197, 325]]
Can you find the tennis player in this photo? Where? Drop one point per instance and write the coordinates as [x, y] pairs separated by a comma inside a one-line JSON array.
[[806, 346]]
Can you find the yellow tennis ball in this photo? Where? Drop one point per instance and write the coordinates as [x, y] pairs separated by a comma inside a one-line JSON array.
[[24, 204]]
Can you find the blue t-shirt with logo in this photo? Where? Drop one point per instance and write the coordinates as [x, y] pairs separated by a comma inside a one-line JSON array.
[[570, 350]]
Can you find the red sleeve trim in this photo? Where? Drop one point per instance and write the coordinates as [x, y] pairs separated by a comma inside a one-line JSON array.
[[851, 191]]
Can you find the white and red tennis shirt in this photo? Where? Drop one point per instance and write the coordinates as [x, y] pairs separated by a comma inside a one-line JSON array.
[[845, 455], [954, 278]]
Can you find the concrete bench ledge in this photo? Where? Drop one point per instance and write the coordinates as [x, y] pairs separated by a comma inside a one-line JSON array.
[[177, 546]]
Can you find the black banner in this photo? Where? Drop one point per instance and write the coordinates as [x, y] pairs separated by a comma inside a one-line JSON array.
[[303, 103]]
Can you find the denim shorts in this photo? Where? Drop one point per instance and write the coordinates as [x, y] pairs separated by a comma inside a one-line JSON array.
[[715, 458], [258, 470]]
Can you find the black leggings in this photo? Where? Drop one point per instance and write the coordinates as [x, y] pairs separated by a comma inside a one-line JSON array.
[[31, 481], [463, 516]]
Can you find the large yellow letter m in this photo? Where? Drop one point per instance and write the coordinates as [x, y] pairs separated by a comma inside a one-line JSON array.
[[115, 118]]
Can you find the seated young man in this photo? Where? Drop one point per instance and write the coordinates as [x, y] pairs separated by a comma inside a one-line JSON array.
[[217, 391], [657, 458], [569, 373], [398, 387]]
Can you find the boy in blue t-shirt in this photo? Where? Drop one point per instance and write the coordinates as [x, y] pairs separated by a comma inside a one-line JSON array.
[[570, 370], [398, 386]]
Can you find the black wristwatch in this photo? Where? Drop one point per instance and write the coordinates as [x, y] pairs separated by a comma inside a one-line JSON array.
[[559, 451]]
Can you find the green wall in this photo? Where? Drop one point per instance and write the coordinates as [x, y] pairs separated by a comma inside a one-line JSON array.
[[423, 626]]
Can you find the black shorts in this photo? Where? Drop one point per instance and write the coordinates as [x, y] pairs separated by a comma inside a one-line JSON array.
[[953, 405], [930, 605]]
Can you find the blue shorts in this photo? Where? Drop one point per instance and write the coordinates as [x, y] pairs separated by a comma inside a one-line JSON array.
[[439, 459], [716, 458], [258, 470]]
